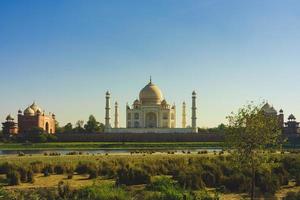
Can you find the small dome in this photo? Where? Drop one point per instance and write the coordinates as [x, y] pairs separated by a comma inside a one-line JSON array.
[[269, 109], [280, 111], [292, 117], [194, 93], [29, 111], [151, 94], [9, 118], [35, 108]]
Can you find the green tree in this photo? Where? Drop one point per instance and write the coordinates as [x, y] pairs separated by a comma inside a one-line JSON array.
[[250, 134], [79, 127], [68, 128], [92, 126], [58, 129]]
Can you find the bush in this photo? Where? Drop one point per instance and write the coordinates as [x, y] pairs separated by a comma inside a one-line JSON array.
[[30, 176], [7, 167], [267, 182], [190, 179], [160, 184], [13, 178], [103, 192], [64, 191], [132, 176], [167, 189], [23, 174], [209, 179], [236, 182], [93, 173], [59, 169], [292, 196], [47, 170]]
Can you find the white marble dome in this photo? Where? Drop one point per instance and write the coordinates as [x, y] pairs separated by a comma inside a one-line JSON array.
[[151, 94]]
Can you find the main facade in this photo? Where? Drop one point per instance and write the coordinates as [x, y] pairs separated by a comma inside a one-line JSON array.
[[151, 113]]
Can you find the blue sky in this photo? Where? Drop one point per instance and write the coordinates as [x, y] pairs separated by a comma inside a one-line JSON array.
[[66, 54]]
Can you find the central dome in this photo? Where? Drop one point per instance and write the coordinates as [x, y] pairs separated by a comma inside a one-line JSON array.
[[151, 94]]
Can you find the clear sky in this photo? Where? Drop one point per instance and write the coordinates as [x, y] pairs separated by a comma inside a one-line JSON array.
[[65, 54]]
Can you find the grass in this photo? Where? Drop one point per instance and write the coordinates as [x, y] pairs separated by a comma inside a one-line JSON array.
[[110, 145]]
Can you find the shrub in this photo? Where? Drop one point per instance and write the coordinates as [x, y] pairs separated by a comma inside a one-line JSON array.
[[64, 190], [7, 167], [292, 196], [160, 184], [93, 173], [37, 166], [59, 169], [236, 183], [23, 174], [209, 179], [30, 176], [103, 192], [167, 189], [267, 182], [70, 172], [13, 178], [132, 176], [190, 179]]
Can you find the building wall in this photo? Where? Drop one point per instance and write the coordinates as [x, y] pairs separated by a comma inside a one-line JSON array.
[[137, 116]]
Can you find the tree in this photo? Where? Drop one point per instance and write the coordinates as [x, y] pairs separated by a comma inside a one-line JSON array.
[[92, 126], [68, 128], [251, 133], [58, 129], [79, 127]]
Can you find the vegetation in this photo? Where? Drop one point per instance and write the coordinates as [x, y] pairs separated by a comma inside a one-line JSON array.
[[251, 134], [161, 176], [91, 126]]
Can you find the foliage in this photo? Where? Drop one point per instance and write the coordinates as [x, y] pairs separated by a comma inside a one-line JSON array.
[[92, 126], [250, 132], [102, 192], [13, 178], [132, 176], [190, 179]]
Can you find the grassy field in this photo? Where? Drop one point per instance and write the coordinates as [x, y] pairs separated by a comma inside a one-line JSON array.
[[109, 145]]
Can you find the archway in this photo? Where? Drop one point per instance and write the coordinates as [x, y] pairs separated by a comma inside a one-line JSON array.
[[47, 127], [151, 120]]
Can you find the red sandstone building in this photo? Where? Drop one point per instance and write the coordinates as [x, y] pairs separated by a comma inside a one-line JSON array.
[[32, 117]]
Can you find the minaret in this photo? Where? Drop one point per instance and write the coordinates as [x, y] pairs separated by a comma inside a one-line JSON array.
[[183, 115], [116, 115], [194, 115], [107, 108]]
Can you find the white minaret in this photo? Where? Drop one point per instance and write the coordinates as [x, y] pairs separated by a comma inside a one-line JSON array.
[[183, 115], [116, 115], [194, 115], [107, 108]]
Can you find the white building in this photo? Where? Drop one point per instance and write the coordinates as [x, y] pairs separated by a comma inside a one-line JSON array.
[[151, 113]]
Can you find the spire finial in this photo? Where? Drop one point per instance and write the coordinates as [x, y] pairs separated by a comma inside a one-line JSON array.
[[150, 79]]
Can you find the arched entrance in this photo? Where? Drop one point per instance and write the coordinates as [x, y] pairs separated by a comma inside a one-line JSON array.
[[151, 120], [47, 127]]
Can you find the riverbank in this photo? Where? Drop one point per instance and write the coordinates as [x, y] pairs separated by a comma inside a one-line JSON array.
[[110, 145]]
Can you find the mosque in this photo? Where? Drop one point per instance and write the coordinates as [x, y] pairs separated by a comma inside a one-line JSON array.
[[151, 113], [32, 117]]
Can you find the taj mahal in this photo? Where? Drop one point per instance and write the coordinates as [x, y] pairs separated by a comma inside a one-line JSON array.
[[151, 113]]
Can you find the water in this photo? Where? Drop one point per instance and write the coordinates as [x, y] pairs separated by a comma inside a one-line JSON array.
[[100, 151]]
